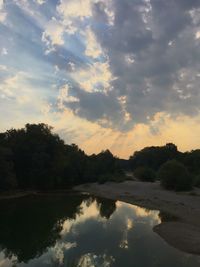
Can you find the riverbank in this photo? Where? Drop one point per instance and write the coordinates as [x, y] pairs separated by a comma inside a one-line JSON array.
[[27, 193], [179, 212]]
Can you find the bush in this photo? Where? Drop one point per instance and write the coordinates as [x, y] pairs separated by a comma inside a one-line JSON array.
[[117, 177], [102, 179], [197, 181], [145, 174], [174, 176]]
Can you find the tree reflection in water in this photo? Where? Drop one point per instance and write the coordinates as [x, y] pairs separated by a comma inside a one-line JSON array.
[[29, 226]]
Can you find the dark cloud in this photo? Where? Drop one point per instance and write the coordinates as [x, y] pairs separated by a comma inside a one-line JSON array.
[[153, 52], [95, 106]]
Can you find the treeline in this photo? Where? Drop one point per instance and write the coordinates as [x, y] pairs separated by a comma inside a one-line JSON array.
[[35, 158], [176, 170]]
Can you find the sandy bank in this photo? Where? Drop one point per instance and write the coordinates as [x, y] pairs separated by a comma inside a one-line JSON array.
[[181, 231]]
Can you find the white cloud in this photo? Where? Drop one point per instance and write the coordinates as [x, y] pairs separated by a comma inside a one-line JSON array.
[[72, 66], [97, 77], [53, 33], [4, 51], [129, 59], [197, 35], [123, 101], [2, 16], [3, 68], [1, 4], [46, 108], [82, 9], [65, 97], [18, 89], [7, 261], [71, 13], [41, 2], [87, 212], [56, 69], [71, 10], [2, 12], [75, 8], [91, 259], [108, 9], [13, 88], [93, 48]]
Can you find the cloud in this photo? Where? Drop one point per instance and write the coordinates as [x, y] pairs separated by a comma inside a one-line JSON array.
[[131, 51], [3, 68], [53, 33], [4, 51], [3, 14], [71, 15], [10, 88], [7, 261], [93, 49], [146, 67], [114, 67], [70, 9], [40, 2], [68, 13], [95, 77], [64, 97]]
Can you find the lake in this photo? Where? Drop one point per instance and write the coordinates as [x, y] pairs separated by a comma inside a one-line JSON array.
[[83, 231]]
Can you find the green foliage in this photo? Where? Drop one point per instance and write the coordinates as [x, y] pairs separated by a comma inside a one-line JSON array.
[[192, 161], [117, 177], [145, 174], [197, 181], [35, 158], [153, 157], [7, 175], [174, 176], [106, 207], [102, 179]]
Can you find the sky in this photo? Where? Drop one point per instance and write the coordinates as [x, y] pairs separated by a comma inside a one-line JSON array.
[[106, 74]]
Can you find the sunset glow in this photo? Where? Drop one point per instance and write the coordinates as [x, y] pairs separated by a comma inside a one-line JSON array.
[[105, 74]]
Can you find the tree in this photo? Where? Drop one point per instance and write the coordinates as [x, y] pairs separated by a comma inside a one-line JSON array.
[[145, 174], [35, 158], [7, 175], [192, 161], [174, 176], [153, 157]]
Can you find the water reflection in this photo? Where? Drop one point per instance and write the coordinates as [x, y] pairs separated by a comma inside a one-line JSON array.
[[83, 231]]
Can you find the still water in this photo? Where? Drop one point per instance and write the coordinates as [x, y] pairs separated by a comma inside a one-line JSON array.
[[83, 231]]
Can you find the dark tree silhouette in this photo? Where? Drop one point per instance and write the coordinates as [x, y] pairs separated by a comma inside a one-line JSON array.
[[153, 157], [35, 158]]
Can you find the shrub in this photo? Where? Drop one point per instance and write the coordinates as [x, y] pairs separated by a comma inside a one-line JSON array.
[[145, 174], [174, 176], [102, 179], [197, 181], [117, 177]]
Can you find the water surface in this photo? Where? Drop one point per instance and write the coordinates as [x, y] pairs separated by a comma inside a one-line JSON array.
[[83, 231]]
